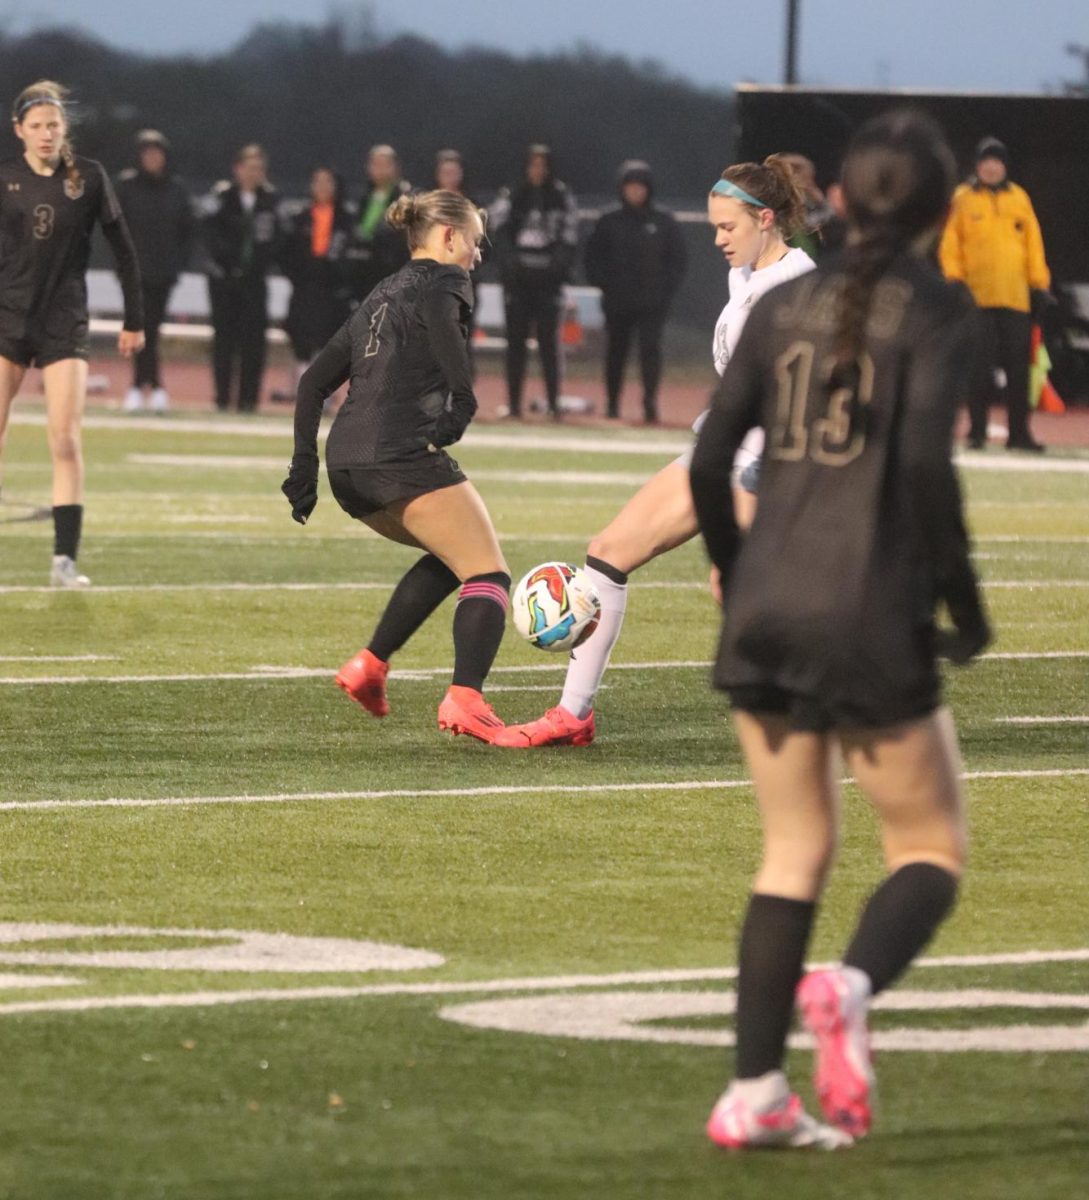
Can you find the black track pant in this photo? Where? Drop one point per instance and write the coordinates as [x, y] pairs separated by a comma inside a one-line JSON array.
[[239, 321], [536, 309], [146, 371], [619, 328], [1010, 334]]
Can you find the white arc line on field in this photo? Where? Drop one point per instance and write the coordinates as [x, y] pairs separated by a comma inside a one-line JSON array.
[[689, 785], [480, 987]]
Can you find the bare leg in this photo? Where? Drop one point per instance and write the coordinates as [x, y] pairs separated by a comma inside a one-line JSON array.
[[11, 378], [65, 385]]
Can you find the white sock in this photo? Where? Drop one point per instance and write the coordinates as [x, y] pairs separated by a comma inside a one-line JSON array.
[[765, 1092], [859, 984], [588, 662]]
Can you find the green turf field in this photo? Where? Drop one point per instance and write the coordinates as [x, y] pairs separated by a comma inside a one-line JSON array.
[[492, 975]]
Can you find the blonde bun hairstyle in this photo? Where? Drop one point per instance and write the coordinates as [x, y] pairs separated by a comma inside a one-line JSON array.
[[417, 214]]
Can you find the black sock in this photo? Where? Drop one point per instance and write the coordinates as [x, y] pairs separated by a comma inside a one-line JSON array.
[[770, 961], [607, 569], [898, 921], [67, 527], [423, 587], [479, 621]]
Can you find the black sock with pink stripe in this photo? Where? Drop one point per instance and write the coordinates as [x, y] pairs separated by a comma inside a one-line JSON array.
[[424, 586], [479, 621]]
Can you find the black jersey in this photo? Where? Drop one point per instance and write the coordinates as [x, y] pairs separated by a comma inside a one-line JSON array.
[[859, 530], [405, 350], [46, 225]]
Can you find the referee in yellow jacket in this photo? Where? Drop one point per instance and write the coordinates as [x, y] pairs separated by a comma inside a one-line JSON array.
[[992, 243]]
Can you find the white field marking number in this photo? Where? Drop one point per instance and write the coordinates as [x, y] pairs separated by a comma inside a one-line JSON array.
[[556, 1011]]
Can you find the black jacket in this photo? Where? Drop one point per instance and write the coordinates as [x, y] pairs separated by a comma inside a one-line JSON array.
[[159, 214], [637, 257], [240, 244], [535, 233], [372, 258]]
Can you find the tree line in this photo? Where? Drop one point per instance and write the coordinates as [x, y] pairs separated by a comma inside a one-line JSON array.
[[314, 95]]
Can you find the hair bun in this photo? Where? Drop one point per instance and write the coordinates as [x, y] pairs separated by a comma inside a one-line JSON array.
[[402, 213]]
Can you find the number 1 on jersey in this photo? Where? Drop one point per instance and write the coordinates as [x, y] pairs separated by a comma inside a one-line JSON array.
[[374, 342]]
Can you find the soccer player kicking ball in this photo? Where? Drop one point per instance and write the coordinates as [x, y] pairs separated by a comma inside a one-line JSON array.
[[754, 209], [828, 647], [405, 352]]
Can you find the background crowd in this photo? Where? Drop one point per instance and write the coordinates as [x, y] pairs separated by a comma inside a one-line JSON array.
[[334, 245]]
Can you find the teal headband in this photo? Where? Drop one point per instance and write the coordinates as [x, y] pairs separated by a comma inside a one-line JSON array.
[[723, 187]]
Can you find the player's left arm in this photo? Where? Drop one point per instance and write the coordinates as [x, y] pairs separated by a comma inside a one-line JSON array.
[[445, 310], [735, 409], [112, 220]]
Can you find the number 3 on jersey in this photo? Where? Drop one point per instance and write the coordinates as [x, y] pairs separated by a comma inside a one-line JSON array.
[[829, 438], [374, 342], [43, 221]]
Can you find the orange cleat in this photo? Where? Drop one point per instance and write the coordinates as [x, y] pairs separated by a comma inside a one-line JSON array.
[[363, 678], [557, 727], [464, 710]]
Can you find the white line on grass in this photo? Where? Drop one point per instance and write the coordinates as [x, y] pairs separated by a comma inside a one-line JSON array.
[[36, 658], [269, 673], [690, 785], [657, 585], [1042, 720], [485, 986]]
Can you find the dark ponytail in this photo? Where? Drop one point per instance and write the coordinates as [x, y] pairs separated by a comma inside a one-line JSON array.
[[898, 176]]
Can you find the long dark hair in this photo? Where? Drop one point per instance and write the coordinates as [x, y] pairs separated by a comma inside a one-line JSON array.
[[898, 176]]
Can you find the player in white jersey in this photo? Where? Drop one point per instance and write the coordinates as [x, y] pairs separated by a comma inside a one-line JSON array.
[[754, 208]]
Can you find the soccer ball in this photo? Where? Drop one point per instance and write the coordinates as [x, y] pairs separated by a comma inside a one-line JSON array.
[[555, 606]]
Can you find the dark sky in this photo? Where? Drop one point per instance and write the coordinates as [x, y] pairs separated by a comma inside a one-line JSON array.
[[974, 45]]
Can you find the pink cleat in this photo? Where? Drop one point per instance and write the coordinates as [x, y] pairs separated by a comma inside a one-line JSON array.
[[736, 1124], [464, 710], [363, 678], [833, 1008], [557, 727]]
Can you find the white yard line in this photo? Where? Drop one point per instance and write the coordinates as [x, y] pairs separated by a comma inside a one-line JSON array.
[[533, 983], [36, 658], [660, 585], [690, 785], [270, 672], [1042, 720]]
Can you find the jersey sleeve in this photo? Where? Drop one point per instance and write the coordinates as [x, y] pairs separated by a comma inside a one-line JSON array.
[[110, 217], [945, 366], [735, 409], [445, 310], [320, 380]]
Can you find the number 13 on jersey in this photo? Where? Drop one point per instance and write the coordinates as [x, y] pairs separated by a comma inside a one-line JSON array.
[[829, 438]]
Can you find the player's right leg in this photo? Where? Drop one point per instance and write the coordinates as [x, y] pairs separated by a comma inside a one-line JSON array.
[[911, 774], [659, 517], [795, 775], [455, 526], [11, 378]]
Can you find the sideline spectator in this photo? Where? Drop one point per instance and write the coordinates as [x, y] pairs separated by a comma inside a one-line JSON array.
[[159, 212], [377, 250], [534, 227], [992, 242], [240, 234], [635, 254], [315, 237]]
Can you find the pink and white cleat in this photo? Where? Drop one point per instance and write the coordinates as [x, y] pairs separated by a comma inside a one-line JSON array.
[[738, 1124], [833, 1008], [557, 727]]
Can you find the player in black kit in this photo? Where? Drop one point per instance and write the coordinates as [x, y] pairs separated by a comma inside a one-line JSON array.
[[855, 371], [404, 351], [50, 202]]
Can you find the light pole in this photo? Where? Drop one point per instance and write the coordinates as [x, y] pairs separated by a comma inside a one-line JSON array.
[[790, 67]]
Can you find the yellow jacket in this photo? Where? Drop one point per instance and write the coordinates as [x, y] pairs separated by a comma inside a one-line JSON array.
[[992, 243]]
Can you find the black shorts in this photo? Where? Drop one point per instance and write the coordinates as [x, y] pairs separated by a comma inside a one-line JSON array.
[[362, 491], [808, 714], [43, 351]]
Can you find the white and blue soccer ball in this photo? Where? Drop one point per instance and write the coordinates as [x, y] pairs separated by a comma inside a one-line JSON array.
[[555, 607]]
